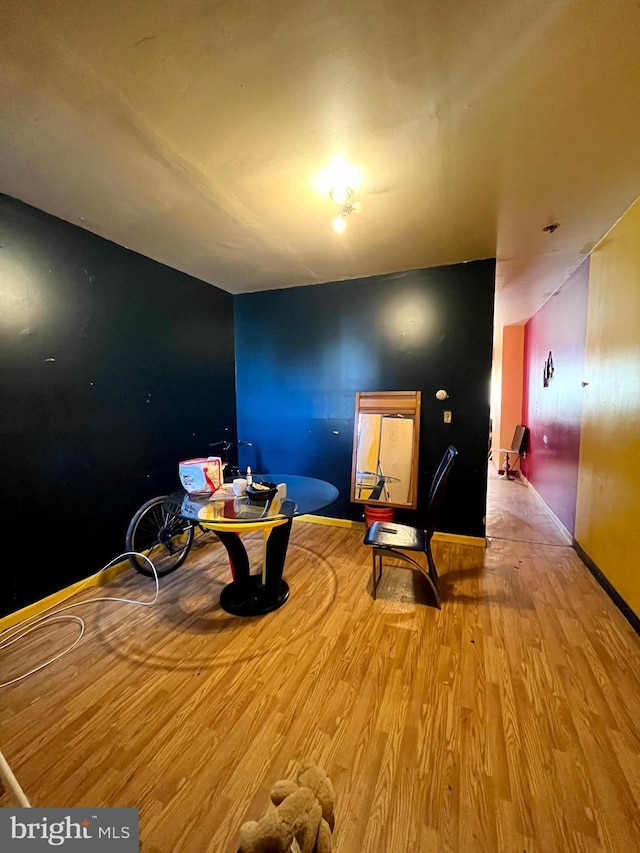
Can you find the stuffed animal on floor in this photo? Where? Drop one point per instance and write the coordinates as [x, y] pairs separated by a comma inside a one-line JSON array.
[[298, 818]]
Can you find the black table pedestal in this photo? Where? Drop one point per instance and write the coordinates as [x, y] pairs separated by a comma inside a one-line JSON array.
[[247, 595], [252, 599]]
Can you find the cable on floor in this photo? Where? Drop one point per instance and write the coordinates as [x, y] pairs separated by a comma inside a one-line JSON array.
[[7, 778], [13, 635]]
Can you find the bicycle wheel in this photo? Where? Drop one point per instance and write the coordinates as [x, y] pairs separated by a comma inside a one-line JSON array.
[[164, 538]]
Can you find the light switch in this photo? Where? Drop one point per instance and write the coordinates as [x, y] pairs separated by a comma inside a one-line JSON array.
[[447, 417]]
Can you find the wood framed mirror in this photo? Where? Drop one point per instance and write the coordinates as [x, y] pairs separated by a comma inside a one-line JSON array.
[[386, 440]]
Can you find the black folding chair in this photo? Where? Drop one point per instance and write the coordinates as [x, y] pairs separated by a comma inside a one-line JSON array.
[[389, 539]]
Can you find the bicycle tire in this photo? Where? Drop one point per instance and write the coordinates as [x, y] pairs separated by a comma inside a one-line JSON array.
[[165, 539]]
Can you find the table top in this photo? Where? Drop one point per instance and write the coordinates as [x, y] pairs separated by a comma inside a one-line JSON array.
[[303, 495]]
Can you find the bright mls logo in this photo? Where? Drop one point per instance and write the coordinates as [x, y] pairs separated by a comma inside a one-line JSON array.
[[80, 830]]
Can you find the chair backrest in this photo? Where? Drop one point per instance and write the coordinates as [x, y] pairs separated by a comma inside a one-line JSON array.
[[438, 486], [519, 439], [376, 491]]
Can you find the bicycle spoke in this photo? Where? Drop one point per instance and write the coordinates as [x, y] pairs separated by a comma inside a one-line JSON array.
[[163, 537]]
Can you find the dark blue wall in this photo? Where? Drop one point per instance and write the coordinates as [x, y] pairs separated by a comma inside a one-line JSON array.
[[143, 377], [303, 352], [113, 368]]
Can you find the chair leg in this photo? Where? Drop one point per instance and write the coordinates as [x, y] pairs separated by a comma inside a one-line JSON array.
[[376, 576], [433, 572], [374, 582], [430, 575], [433, 575]]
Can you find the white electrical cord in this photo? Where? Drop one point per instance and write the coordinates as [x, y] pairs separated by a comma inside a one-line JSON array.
[[7, 777], [12, 635]]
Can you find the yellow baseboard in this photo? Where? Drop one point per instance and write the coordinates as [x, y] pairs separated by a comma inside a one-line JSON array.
[[332, 522], [453, 538], [56, 598], [106, 575], [460, 539]]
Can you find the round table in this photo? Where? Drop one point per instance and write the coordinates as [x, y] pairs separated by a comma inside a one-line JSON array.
[[228, 516]]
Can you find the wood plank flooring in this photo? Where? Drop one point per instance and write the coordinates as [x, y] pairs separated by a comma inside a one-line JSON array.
[[515, 512], [507, 721]]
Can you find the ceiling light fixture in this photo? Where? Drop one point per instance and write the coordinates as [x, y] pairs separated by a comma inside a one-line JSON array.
[[337, 173], [350, 207], [341, 196]]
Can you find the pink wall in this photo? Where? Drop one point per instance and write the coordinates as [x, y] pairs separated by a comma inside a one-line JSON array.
[[553, 414]]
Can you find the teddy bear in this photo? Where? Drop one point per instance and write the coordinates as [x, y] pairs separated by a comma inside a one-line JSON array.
[[299, 817]]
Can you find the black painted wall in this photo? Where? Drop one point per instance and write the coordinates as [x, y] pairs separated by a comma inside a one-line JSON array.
[[302, 353], [113, 368]]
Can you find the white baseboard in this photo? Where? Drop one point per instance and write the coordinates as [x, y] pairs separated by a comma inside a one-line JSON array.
[[561, 528]]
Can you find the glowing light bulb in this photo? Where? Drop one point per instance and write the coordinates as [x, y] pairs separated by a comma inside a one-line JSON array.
[[338, 173], [340, 194], [339, 224]]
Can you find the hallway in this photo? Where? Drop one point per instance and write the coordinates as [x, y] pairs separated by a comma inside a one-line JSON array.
[[515, 512]]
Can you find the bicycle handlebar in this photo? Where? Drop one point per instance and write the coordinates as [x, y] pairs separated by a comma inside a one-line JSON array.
[[227, 445]]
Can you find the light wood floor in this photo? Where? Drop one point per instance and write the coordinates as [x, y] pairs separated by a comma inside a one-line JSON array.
[[507, 721]]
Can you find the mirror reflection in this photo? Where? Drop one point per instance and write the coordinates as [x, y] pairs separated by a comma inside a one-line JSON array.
[[385, 454], [383, 460]]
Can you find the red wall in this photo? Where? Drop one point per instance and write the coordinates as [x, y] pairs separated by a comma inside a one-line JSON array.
[[553, 414]]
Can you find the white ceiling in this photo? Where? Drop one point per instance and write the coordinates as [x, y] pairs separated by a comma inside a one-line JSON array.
[[191, 131]]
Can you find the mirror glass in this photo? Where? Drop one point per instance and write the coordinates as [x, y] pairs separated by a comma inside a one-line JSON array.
[[385, 448]]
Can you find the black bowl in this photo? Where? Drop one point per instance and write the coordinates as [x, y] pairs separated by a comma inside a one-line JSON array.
[[261, 491]]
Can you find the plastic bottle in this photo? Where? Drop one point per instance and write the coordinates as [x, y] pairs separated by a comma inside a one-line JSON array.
[[249, 475]]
